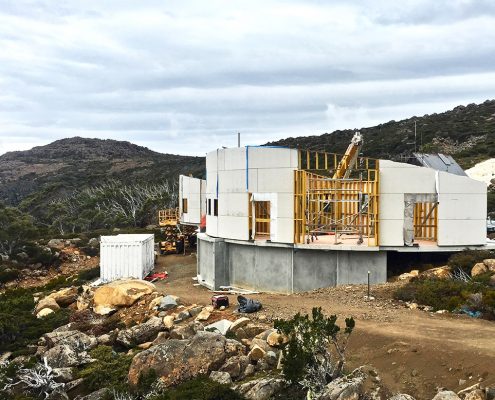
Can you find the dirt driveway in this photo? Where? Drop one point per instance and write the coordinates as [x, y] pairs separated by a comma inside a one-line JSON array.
[[415, 351]]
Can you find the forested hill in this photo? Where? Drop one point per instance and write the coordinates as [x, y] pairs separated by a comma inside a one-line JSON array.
[[47, 172], [466, 132]]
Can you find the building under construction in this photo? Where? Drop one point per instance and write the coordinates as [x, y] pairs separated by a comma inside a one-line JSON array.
[[287, 220]]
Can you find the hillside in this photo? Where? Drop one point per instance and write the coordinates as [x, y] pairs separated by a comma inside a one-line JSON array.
[[466, 132], [43, 173]]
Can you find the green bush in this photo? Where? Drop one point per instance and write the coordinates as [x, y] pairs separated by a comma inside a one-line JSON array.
[[18, 326], [200, 388], [7, 275], [109, 370], [451, 295], [466, 259], [88, 275], [315, 352]]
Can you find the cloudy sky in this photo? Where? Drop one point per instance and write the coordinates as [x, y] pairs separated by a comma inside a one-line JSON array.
[[185, 76]]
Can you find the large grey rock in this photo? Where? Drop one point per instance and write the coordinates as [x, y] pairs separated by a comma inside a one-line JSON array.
[[446, 395], [63, 374], [167, 303], [261, 389], [221, 377], [74, 339], [98, 395], [57, 244], [402, 396], [185, 331], [63, 356], [221, 326], [344, 388], [141, 333], [179, 360]]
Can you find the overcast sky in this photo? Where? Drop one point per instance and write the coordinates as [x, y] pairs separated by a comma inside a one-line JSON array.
[[185, 76]]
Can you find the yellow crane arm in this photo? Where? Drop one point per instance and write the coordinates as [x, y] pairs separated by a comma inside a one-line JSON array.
[[349, 159]]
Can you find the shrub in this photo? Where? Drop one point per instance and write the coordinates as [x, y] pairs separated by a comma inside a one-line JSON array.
[[7, 275], [315, 352], [451, 295], [200, 388], [18, 326], [109, 370], [88, 275], [466, 259]]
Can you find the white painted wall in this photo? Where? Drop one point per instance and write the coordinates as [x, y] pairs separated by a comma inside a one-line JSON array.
[[194, 190], [234, 173], [126, 256], [462, 215], [461, 208]]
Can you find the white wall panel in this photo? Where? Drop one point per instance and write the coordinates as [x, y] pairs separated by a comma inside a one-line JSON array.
[[391, 232], [461, 232], [232, 181], [285, 230], [449, 183], [407, 180], [461, 206], [279, 180], [233, 227], [233, 204], [267, 157], [211, 161], [212, 225], [392, 206], [211, 183], [285, 205], [235, 158]]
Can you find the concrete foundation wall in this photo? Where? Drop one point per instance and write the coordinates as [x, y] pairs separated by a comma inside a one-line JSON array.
[[281, 268]]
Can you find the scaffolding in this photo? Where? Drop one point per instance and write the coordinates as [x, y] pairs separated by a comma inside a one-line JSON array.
[[333, 210], [168, 217]]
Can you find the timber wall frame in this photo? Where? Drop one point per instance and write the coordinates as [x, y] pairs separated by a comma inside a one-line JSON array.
[[325, 206]]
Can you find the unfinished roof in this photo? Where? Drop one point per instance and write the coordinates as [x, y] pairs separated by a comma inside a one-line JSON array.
[[439, 162]]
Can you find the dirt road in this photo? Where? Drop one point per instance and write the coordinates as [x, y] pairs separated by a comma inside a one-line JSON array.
[[415, 351]]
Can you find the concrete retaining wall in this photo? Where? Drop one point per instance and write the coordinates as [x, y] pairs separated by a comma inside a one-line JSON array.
[[281, 268]]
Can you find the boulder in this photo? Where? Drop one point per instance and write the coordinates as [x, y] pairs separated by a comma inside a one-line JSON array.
[[490, 264], [122, 293], [261, 389], [63, 375], [104, 310], [195, 310], [253, 329], [478, 269], [235, 366], [178, 360], [44, 312], [168, 322], [57, 244], [93, 242], [446, 395], [270, 358], [167, 303], [63, 356], [65, 297], [348, 387], [46, 302], [182, 316], [221, 377], [239, 323], [155, 302], [203, 315], [184, 332], [76, 340], [476, 394], [407, 276], [276, 339], [141, 333], [221, 326], [402, 396], [162, 337], [256, 353], [437, 273], [100, 394]]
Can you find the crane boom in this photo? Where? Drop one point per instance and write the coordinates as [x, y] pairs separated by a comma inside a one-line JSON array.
[[349, 159]]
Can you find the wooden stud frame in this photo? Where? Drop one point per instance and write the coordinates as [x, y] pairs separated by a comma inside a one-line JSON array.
[[323, 205]]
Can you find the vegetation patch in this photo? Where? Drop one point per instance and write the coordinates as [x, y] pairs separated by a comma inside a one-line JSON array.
[[452, 295]]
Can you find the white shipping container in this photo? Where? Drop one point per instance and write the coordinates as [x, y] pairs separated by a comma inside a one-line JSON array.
[[126, 256]]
